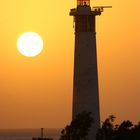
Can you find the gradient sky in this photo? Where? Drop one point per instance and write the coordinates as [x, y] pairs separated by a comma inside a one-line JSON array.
[[37, 92]]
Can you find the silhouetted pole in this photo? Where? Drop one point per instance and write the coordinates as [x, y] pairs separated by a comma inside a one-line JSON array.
[[42, 133]]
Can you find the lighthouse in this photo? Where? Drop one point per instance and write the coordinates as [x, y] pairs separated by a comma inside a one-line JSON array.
[[85, 84]]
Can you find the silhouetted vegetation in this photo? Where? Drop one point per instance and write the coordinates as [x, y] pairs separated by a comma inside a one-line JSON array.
[[78, 128], [125, 131]]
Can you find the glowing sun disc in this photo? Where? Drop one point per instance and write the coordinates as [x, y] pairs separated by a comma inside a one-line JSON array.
[[30, 44]]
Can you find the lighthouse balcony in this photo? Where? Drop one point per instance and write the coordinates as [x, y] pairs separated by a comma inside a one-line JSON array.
[[85, 10]]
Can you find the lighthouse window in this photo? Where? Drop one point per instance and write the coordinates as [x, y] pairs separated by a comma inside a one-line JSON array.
[[79, 55], [83, 2]]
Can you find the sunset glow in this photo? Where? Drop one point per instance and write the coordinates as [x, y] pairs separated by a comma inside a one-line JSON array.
[[37, 92]]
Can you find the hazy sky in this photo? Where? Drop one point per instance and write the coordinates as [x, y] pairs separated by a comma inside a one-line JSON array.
[[37, 92]]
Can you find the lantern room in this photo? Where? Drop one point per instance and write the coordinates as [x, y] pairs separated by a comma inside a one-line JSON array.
[[83, 2]]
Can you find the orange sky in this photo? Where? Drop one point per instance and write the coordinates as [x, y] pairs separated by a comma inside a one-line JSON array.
[[37, 92]]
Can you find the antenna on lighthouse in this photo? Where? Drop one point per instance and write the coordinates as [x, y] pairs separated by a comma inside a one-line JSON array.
[[100, 8]]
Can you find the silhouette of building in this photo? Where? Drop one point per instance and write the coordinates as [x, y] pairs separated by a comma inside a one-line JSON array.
[[85, 87]]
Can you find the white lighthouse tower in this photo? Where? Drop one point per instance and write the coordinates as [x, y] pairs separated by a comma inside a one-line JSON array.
[[85, 88]]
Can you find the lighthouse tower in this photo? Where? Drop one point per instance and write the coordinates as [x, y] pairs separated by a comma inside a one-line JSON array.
[[85, 88]]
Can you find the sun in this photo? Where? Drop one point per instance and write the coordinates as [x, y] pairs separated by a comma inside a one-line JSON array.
[[30, 44]]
